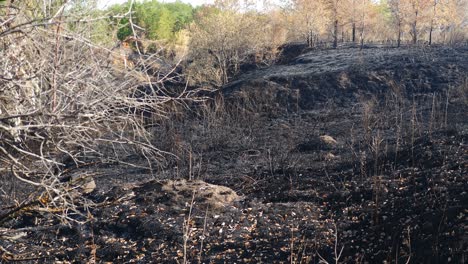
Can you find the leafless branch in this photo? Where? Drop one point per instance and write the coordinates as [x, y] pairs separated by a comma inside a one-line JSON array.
[[64, 97]]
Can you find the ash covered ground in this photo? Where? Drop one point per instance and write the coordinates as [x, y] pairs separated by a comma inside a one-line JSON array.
[[353, 154]]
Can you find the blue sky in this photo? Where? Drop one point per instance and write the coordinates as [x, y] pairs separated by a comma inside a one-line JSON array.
[[104, 3]]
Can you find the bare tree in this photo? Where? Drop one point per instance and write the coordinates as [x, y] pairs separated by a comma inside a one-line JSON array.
[[223, 39], [450, 19], [395, 7], [335, 10], [416, 11], [309, 19], [62, 98], [434, 13]]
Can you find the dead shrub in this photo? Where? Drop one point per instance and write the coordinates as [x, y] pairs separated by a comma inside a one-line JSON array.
[[63, 104]]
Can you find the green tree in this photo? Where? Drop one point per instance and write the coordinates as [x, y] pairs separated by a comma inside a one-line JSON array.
[[183, 14], [147, 15], [159, 20], [125, 29], [166, 24]]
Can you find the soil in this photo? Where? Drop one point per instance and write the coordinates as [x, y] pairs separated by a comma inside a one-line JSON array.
[[348, 155]]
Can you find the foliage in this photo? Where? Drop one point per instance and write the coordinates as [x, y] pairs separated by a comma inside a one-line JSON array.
[[221, 40], [411, 20], [159, 20]]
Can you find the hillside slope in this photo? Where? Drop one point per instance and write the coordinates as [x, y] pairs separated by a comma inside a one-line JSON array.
[[360, 151]]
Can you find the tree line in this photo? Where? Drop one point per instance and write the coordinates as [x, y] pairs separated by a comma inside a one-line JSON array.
[[222, 36], [386, 20], [441, 21], [62, 101]]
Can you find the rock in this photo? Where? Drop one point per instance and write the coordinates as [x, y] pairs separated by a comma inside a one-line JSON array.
[[328, 140], [330, 156], [312, 144], [82, 184], [184, 192]]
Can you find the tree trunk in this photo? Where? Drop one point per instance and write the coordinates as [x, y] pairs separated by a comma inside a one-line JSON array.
[[222, 64], [414, 28], [310, 39], [335, 34], [432, 22], [399, 35], [361, 37], [430, 34], [354, 32]]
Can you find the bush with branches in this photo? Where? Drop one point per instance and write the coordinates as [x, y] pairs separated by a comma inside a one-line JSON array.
[[63, 101]]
